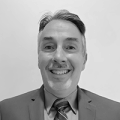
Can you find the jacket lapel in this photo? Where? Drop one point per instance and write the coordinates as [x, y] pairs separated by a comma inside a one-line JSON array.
[[85, 107], [36, 107]]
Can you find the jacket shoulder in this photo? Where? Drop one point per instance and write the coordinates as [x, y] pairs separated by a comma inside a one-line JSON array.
[[17, 107], [98, 98], [22, 97], [103, 104], [21, 101]]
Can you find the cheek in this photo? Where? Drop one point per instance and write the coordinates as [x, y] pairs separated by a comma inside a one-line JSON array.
[[43, 60], [76, 61]]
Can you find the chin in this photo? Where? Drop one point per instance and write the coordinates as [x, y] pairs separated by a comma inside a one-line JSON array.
[[59, 86]]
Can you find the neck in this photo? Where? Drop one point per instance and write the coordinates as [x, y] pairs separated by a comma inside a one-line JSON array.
[[61, 94]]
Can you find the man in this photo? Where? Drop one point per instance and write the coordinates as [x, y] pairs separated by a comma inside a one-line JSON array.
[[61, 59]]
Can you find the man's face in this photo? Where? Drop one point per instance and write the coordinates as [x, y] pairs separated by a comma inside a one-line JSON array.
[[60, 57]]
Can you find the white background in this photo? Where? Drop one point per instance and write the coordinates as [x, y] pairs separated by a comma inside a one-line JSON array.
[[19, 22]]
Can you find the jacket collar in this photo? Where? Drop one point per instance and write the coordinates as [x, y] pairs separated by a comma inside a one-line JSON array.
[[36, 106], [85, 107], [87, 110]]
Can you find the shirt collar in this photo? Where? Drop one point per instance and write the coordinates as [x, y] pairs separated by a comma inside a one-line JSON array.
[[50, 98]]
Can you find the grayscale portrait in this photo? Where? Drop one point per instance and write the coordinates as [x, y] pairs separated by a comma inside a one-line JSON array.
[[65, 67]]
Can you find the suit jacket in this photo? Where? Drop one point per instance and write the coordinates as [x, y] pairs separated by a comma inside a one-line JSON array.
[[30, 106]]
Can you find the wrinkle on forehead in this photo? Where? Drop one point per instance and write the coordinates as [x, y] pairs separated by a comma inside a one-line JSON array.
[[60, 25]]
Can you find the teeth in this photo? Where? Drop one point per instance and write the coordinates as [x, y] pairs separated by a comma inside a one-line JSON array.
[[59, 72]]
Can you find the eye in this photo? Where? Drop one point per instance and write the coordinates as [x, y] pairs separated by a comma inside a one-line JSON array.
[[49, 48], [70, 47]]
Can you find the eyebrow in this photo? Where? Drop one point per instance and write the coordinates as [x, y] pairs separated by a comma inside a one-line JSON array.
[[48, 38], [71, 39]]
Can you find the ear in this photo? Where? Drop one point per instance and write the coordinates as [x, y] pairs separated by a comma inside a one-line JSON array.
[[85, 59], [39, 62], [38, 41]]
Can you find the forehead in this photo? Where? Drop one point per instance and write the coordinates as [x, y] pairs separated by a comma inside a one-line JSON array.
[[61, 29]]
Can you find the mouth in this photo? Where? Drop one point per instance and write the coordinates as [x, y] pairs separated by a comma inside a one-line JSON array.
[[60, 72]]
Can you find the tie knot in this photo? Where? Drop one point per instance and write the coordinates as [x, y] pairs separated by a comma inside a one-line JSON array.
[[61, 105]]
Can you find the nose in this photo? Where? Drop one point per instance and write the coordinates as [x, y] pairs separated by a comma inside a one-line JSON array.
[[60, 55]]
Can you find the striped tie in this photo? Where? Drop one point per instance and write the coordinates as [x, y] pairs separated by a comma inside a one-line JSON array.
[[62, 107]]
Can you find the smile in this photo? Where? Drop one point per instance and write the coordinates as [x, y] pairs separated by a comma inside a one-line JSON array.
[[60, 72]]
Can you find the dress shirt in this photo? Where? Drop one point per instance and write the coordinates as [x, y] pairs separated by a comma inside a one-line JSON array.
[[50, 99]]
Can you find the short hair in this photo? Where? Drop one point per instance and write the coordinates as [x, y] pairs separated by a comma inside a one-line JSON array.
[[64, 15]]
